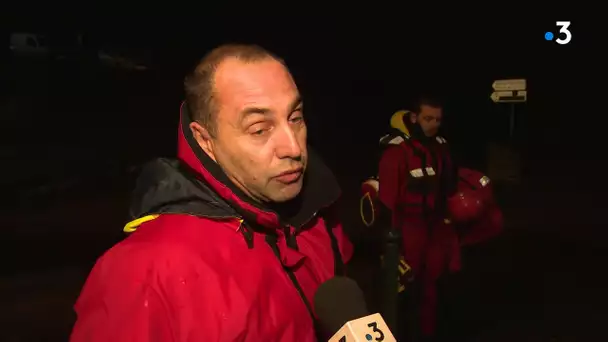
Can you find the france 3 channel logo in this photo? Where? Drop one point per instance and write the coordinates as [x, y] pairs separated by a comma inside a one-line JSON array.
[[563, 36]]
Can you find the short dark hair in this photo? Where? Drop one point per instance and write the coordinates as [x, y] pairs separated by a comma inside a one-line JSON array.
[[426, 100], [199, 84]]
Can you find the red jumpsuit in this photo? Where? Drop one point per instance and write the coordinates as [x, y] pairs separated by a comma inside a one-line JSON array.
[[412, 178]]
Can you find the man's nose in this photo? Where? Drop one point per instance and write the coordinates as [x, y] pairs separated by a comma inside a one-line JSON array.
[[287, 145]]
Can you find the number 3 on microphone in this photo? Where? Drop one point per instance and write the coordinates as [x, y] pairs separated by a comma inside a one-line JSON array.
[[369, 337], [369, 328], [379, 333]]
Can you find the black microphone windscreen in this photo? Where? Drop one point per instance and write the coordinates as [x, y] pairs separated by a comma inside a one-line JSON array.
[[338, 301]]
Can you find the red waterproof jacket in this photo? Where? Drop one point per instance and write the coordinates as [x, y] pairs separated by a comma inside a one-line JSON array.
[[207, 264], [414, 179]]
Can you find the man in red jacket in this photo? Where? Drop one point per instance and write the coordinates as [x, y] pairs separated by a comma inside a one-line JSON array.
[[416, 177], [230, 241]]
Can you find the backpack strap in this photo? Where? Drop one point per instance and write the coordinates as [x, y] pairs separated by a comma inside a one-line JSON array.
[[271, 240], [339, 269]]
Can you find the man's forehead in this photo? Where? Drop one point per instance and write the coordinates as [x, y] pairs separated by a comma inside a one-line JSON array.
[[430, 110], [256, 87], [269, 107], [233, 73]]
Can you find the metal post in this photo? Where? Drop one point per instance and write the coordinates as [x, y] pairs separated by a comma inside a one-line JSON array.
[[390, 294]]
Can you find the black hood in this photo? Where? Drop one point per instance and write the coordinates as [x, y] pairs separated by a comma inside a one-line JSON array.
[[169, 186]]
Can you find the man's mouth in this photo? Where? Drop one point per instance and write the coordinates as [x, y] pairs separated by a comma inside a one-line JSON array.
[[290, 176]]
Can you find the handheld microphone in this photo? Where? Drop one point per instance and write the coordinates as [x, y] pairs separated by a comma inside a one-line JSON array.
[[340, 307]]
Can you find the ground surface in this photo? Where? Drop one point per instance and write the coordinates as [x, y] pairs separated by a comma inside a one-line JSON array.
[[541, 281]]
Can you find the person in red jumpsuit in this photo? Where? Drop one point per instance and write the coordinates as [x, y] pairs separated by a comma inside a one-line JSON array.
[[416, 176], [472, 214]]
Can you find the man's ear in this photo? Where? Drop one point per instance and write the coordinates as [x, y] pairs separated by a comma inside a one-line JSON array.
[[413, 117], [203, 138]]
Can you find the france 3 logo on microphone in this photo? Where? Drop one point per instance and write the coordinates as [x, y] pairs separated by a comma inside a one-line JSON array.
[[563, 35]]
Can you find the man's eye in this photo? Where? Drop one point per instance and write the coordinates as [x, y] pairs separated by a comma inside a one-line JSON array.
[[259, 128], [259, 132], [296, 116]]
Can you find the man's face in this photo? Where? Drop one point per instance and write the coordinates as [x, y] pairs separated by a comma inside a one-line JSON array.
[[261, 134], [429, 119]]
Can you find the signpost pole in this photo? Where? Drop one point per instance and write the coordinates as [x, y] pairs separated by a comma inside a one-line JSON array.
[[511, 92], [504, 161], [512, 121]]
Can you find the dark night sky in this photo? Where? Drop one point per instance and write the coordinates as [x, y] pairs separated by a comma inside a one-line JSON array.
[[368, 61]]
